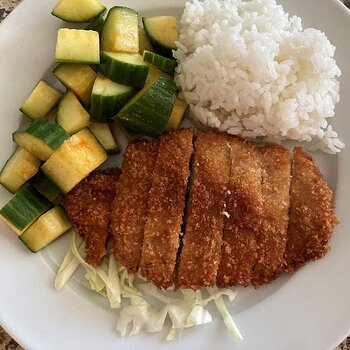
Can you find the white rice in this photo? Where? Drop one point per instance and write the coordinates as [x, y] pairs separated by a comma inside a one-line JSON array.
[[247, 68]]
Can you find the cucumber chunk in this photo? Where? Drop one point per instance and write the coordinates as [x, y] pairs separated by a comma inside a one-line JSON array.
[[124, 68], [78, 10], [144, 43], [104, 135], [74, 160], [52, 115], [97, 24], [20, 167], [129, 134], [42, 138], [71, 115], [107, 98], [45, 186], [149, 111], [120, 32], [77, 46], [163, 63], [41, 101], [78, 77], [177, 115], [162, 33], [23, 209], [46, 229]]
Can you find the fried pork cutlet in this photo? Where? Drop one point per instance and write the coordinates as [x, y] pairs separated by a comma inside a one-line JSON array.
[[245, 212], [165, 207], [201, 250], [88, 206], [312, 218], [129, 209], [275, 162]]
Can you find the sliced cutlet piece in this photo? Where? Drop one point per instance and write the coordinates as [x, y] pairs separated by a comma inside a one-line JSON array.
[[129, 209], [201, 250], [88, 206], [275, 162], [312, 218], [244, 206], [165, 208]]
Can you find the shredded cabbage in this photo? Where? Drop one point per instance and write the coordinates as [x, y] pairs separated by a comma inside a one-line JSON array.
[[113, 281]]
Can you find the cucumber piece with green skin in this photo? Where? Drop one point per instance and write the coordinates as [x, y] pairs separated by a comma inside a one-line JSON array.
[[23, 209], [52, 115], [77, 46], [74, 160], [162, 33], [46, 229], [163, 63], [42, 138], [177, 115], [41, 101], [129, 134], [120, 32], [45, 186], [104, 135], [149, 111], [107, 98], [144, 43], [124, 68], [97, 24], [20, 167], [71, 115], [78, 77], [77, 10]]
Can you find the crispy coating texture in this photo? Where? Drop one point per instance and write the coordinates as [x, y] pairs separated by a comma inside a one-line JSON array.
[[245, 209], [165, 208], [88, 206], [129, 209], [312, 218], [275, 161], [201, 250]]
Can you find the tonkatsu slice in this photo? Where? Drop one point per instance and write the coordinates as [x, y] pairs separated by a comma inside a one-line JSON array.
[[165, 208], [88, 206], [312, 218], [245, 212], [275, 163], [129, 209], [201, 250]]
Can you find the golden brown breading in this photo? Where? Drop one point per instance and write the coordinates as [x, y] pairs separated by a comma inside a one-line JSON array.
[[312, 218], [88, 206], [245, 208], [165, 208], [275, 161], [201, 250], [129, 209]]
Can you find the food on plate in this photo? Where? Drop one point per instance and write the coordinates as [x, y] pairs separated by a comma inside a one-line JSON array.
[[105, 136], [129, 209], [45, 186], [201, 245], [165, 207], [312, 218], [88, 207], [273, 80], [163, 63]]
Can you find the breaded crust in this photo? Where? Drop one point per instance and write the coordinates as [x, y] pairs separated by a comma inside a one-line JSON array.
[[201, 250], [275, 161], [165, 208], [312, 218], [129, 209], [245, 209], [88, 206]]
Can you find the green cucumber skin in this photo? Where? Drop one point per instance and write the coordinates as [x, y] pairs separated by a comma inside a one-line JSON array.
[[103, 108], [45, 186], [122, 73], [165, 64], [48, 131], [149, 114], [26, 206], [97, 23]]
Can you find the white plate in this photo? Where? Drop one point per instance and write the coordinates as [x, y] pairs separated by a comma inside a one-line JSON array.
[[309, 310]]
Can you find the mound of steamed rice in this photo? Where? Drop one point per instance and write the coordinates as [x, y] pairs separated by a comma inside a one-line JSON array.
[[247, 68]]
